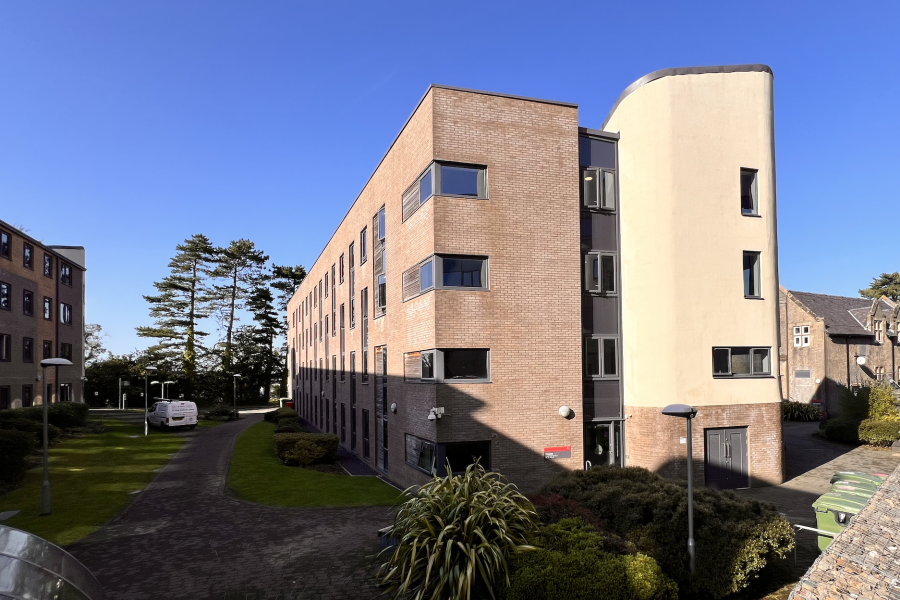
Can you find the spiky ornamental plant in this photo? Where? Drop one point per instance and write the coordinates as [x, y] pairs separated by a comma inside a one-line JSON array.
[[455, 535]]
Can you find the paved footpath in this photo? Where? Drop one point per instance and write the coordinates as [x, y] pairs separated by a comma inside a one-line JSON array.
[[185, 537]]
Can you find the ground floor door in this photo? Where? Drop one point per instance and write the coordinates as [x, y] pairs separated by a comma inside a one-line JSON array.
[[603, 444], [726, 458]]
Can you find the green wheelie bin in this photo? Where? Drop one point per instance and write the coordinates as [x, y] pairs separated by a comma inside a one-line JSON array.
[[862, 490], [833, 513], [875, 479]]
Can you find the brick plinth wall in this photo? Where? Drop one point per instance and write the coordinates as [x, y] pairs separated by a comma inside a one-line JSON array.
[[652, 440]]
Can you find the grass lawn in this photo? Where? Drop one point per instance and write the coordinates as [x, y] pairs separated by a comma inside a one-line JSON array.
[[257, 475], [90, 478]]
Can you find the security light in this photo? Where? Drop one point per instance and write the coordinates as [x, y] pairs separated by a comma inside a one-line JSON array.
[[680, 410]]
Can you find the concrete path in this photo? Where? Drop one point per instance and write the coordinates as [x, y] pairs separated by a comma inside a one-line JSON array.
[[185, 537], [810, 463]]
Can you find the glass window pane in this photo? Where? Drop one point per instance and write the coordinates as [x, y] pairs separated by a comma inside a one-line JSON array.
[[427, 365], [721, 361], [610, 367], [426, 456], [425, 188], [426, 276], [465, 364], [381, 232], [609, 190], [591, 187], [740, 361], [592, 272], [592, 356], [459, 181], [751, 274], [607, 273], [760, 361], [463, 272], [748, 206]]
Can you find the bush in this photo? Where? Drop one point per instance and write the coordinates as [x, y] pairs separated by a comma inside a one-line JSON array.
[[842, 430], [882, 403], [854, 403], [455, 536], [64, 415], [799, 411], [879, 432], [576, 565], [289, 426], [15, 446], [33, 427], [273, 416], [734, 537], [302, 449]]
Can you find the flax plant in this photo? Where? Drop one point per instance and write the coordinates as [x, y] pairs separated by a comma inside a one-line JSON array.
[[454, 536]]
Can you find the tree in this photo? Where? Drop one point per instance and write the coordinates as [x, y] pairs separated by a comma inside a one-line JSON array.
[[269, 325], [93, 344], [183, 300], [887, 284], [286, 280], [240, 265]]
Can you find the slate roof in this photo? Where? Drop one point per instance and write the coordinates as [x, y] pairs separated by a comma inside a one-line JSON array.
[[863, 561], [842, 315]]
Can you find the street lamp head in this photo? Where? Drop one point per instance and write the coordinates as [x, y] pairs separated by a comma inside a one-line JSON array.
[[237, 375], [680, 410], [150, 368], [154, 383], [168, 382], [56, 362]]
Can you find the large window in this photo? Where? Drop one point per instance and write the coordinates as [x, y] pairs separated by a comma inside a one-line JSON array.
[[445, 179], [599, 188], [749, 200], [751, 275], [420, 453], [419, 366], [5, 245], [601, 357], [741, 362], [600, 272], [380, 267], [463, 272], [466, 365], [5, 296]]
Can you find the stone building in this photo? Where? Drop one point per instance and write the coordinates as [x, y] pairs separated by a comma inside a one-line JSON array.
[[41, 316], [834, 342], [512, 287]]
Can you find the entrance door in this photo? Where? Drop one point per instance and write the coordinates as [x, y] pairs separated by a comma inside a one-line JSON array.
[[603, 444], [726, 458]]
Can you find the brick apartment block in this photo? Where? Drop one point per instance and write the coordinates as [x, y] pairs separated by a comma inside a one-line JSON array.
[[41, 316], [511, 286]]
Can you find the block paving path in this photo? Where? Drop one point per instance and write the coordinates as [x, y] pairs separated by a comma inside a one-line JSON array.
[[184, 536]]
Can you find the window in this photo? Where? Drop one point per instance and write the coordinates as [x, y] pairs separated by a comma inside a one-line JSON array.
[[379, 268], [463, 272], [65, 351], [5, 397], [48, 308], [749, 200], [418, 279], [363, 246], [599, 188], [381, 294], [364, 311], [48, 265], [5, 245], [419, 366], [601, 357], [352, 289], [461, 180], [65, 392], [879, 373], [741, 362], [417, 194], [600, 273], [28, 302], [28, 256], [48, 349], [420, 453], [878, 327], [343, 344], [65, 313], [380, 233], [341, 264], [5, 296], [27, 350], [326, 280], [65, 274], [461, 455], [751, 275], [365, 434], [5, 347], [801, 336], [27, 396], [466, 365]]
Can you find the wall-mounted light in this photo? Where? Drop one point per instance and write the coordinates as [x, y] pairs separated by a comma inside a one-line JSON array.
[[394, 407], [565, 412]]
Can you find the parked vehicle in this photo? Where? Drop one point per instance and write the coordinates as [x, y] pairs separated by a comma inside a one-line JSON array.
[[172, 413]]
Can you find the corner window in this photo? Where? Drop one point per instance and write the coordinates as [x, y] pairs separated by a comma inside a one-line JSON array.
[[5, 296], [741, 362], [420, 453], [48, 265], [5, 245], [418, 193], [601, 357], [749, 200], [65, 274], [600, 272], [801, 336], [65, 313], [751, 275], [28, 303], [419, 366], [461, 180], [463, 272], [28, 256], [599, 188], [418, 279], [465, 365]]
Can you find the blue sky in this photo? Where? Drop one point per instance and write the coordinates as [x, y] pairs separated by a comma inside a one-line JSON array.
[[128, 126]]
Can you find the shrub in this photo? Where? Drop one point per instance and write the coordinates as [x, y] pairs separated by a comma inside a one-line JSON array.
[[455, 537], [842, 430], [734, 537], [33, 427], [64, 415], [301, 449], [576, 565], [882, 403], [879, 432], [273, 416], [854, 404], [15, 446], [799, 411], [289, 426]]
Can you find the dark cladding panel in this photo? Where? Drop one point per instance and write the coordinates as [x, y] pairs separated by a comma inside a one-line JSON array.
[[601, 400], [596, 153], [604, 230], [605, 315]]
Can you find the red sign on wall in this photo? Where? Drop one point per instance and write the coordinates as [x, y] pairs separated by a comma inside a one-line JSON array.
[[558, 452]]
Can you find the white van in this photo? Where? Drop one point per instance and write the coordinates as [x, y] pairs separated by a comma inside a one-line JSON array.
[[172, 413]]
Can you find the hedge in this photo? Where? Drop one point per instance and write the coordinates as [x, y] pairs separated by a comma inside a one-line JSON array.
[[33, 427], [879, 432], [289, 426], [15, 446], [302, 449], [734, 537], [842, 430], [64, 415], [273, 416], [575, 564]]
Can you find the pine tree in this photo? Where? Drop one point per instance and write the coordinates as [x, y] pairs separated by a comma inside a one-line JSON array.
[[887, 284], [182, 301], [269, 325]]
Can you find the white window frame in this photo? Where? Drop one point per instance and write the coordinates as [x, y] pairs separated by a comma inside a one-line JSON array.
[[801, 336]]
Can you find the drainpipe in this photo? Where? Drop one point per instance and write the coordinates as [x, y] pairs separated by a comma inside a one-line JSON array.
[[847, 344]]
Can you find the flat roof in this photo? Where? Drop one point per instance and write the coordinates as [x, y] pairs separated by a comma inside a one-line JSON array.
[[44, 246]]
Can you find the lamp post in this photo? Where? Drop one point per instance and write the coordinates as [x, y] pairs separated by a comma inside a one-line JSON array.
[[688, 413], [45, 486], [236, 377], [165, 383], [147, 371]]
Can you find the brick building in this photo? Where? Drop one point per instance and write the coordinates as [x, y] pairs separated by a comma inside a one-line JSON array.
[[511, 286], [41, 316], [834, 342]]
